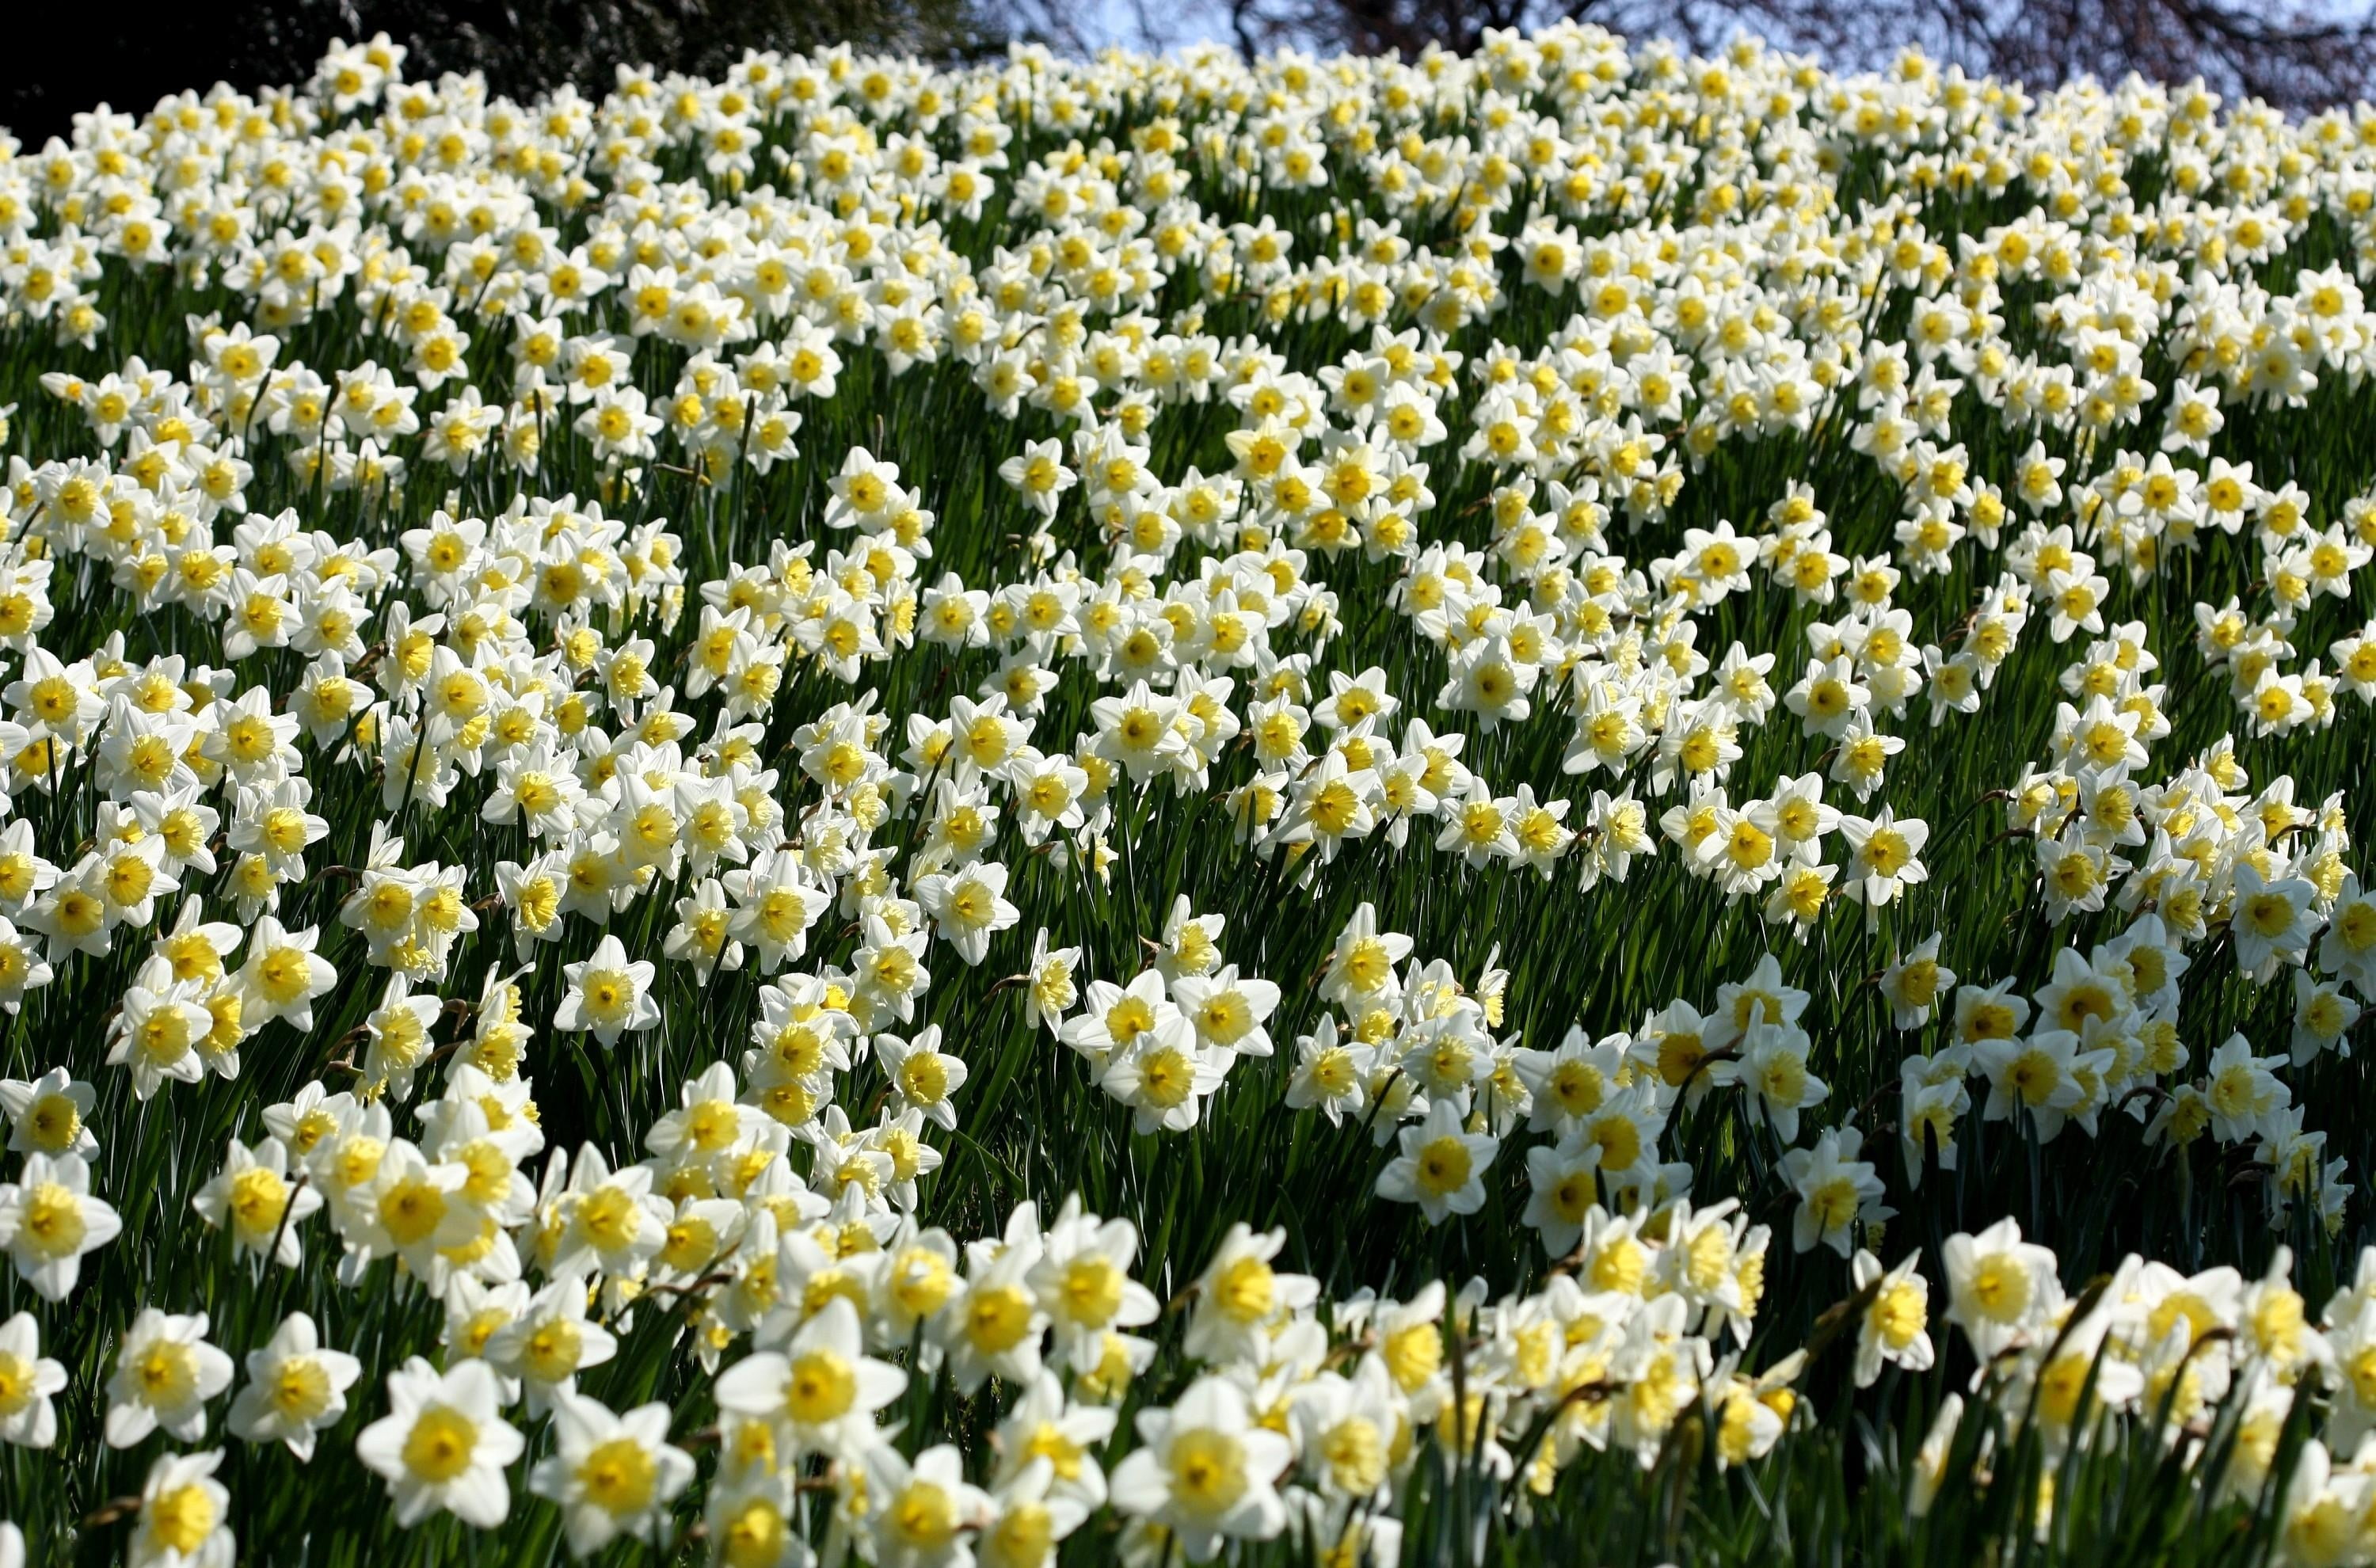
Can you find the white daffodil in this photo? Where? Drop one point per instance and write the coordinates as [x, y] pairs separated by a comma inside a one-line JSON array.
[[49, 1114], [1205, 1471], [1441, 1167], [49, 1220], [165, 1372], [611, 1474], [444, 1445], [2002, 1290], [255, 1199], [608, 995], [921, 1513], [184, 1518], [295, 1388], [822, 1387], [1895, 1328], [28, 1382]]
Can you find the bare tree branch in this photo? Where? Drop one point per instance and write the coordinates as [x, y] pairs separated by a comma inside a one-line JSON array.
[[2294, 56]]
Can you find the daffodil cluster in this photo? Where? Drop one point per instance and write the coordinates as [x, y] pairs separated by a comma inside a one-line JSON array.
[[877, 810]]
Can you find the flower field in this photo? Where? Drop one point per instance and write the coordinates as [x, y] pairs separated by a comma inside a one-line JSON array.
[[1577, 806]]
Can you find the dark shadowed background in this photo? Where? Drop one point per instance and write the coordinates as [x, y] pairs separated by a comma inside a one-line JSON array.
[[130, 55]]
